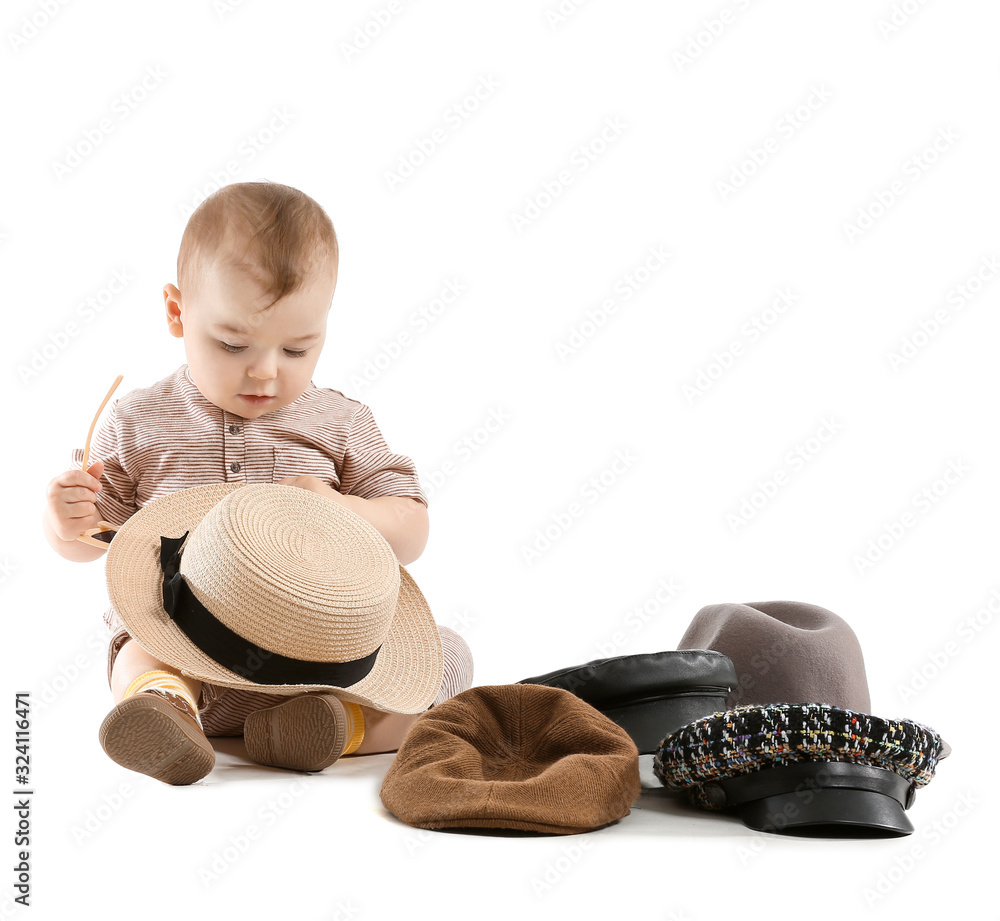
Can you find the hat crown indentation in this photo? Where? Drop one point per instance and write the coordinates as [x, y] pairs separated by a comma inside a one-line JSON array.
[[293, 575]]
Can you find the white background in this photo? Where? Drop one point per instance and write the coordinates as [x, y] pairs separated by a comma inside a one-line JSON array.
[[841, 110]]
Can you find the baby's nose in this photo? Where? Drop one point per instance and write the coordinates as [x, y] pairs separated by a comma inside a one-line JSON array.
[[264, 369]]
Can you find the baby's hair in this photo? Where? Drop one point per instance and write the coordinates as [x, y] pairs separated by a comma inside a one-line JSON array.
[[275, 233]]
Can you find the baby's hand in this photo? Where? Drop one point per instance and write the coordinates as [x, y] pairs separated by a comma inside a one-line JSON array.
[[71, 501]]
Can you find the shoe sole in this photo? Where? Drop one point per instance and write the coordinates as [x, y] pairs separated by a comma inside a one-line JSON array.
[[148, 735], [303, 734]]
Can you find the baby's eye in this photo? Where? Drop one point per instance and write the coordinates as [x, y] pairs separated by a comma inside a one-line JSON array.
[[295, 353], [232, 348]]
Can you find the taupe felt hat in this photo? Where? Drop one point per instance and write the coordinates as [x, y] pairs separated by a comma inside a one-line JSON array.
[[276, 589], [518, 757], [784, 651]]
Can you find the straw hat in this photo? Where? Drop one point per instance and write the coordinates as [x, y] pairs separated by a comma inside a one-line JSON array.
[[276, 589]]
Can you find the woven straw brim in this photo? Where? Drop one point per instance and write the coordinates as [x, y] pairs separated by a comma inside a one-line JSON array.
[[407, 673]]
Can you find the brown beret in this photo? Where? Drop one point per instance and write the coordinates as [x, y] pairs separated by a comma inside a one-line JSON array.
[[513, 756]]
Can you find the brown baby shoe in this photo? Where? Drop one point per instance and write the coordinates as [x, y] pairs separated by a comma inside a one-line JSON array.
[[151, 734], [306, 733]]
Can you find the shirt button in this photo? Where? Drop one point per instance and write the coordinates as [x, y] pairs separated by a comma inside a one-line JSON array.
[[234, 467], [233, 429]]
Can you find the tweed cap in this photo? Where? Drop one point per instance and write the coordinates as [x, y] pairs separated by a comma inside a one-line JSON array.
[[523, 757], [749, 739]]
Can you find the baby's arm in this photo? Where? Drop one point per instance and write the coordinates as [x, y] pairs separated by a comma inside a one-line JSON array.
[[70, 510], [400, 520]]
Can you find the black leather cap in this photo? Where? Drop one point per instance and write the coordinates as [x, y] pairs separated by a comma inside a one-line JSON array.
[[650, 694]]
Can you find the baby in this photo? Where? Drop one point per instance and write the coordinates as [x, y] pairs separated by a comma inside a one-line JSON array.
[[257, 269]]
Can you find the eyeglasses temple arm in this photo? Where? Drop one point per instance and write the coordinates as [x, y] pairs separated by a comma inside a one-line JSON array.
[[86, 449]]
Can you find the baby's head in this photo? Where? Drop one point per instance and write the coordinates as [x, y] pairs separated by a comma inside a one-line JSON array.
[[256, 272]]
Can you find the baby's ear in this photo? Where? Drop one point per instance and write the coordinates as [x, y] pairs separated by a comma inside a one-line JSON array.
[[172, 303]]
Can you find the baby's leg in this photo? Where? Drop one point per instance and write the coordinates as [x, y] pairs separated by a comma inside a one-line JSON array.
[[132, 661], [384, 732], [312, 731], [153, 727]]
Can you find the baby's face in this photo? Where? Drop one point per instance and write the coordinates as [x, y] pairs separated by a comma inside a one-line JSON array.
[[245, 361]]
